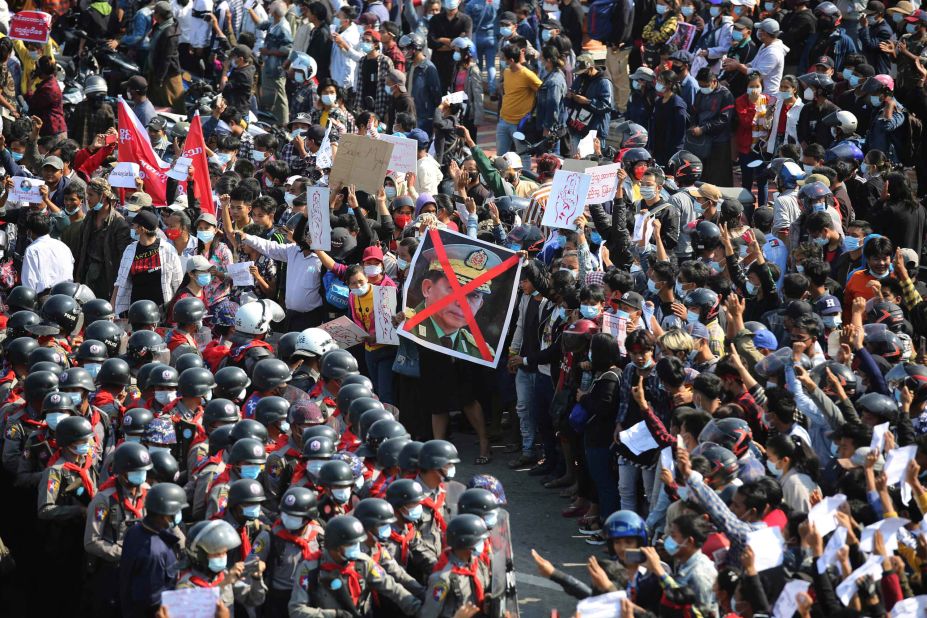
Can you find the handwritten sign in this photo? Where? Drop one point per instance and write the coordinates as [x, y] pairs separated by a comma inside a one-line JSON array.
[[318, 226], [124, 174], [190, 602], [30, 26], [616, 327], [384, 308], [345, 332], [360, 161], [26, 190], [567, 199], [240, 272], [684, 35], [405, 153], [181, 169], [604, 183]]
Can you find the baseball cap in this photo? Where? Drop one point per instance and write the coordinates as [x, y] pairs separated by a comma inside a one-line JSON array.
[[874, 7], [157, 123], [397, 77], [342, 242], [551, 24], [54, 162], [508, 17], [208, 217], [763, 217], [765, 340], [179, 203], [911, 259], [147, 220], [501, 164], [136, 82], [633, 300], [421, 137], [744, 22], [583, 63], [373, 34], [708, 191], [828, 305], [372, 253], [825, 61], [242, 51], [163, 8], [513, 159], [197, 262], [769, 26], [137, 201], [798, 308], [301, 118], [697, 330]]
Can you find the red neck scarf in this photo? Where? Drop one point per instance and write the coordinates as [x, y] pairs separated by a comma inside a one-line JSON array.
[[215, 459], [378, 489], [223, 477], [436, 506], [281, 441], [403, 540], [245, 541], [302, 543], [469, 571], [350, 573], [202, 583], [84, 473], [135, 507], [349, 441]]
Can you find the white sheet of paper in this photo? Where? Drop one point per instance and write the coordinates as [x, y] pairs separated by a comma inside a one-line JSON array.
[[667, 462], [912, 607], [384, 308], [837, 540], [768, 545], [240, 272], [325, 157], [318, 226], [123, 175], [896, 462], [786, 604], [454, 98], [878, 437], [405, 153], [25, 190], [822, 514], [846, 589], [602, 606], [889, 528], [616, 327], [190, 602], [181, 169], [638, 438], [586, 147], [344, 331], [567, 199], [604, 183], [643, 228]]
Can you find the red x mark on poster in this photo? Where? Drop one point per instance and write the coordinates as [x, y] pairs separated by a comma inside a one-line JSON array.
[[459, 294]]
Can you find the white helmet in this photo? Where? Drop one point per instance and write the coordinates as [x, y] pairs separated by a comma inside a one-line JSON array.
[[255, 318], [95, 84], [305, 63], [314, 342], [847, 122]]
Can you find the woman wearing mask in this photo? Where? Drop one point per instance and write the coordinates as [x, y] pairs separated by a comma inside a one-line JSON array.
[[796, 467], [218, 254], [670, 118], [196, 278], [45, 102], [659, 30], [784, 128], [754, 121], [901, 217], [642, 98], [691, 11], [874, 168], [467, 79], [331, 108], [550, 109]]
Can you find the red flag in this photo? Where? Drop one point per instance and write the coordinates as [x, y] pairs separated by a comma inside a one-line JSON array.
[[135, 147], [195, 148]]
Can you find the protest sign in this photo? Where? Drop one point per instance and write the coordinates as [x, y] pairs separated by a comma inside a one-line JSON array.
[[384, 308], [454, 98], [345, 332], [26, 190], [323, 158], [240, 272], [405, 154], [181, 169], [602, 606], [123, 175], [586, 146], [190, 602], [30, 27], [616, 327], [567, 199], [459, 296], [603, 184], [638, 438], [684, 35], [318, 225], [360, 161]]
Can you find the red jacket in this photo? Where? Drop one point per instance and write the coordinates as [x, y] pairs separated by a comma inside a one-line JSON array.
[[46, 103]]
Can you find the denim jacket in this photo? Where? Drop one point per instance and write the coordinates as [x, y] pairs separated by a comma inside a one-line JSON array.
[[550, 108]]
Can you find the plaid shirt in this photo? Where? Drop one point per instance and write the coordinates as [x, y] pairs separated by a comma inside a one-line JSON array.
[[381, 99], [629, 379]]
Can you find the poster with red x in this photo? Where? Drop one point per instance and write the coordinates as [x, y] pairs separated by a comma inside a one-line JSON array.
[[459, 296]]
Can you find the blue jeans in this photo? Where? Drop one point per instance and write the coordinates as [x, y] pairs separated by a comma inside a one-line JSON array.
[[598, 464], [751, 175], [380, 366], [628, 477], [506, 143], [486, 59], [524, 390]]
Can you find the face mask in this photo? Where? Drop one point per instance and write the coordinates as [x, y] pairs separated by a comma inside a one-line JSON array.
[[390, 192], [372, 270], [491, 519], [751, 288], [70, 212], [33, 54], [205, 236], [217, 563], [384, 531], [800, 268], [558, 314], [251, 511], [648, 193], [289, 198], [646, 365], [851, 243], [769, 6], [457, 57], [136, 477], [754, 92], [705, 90], [715, 11], [687, 11], [133, 234], [76, 399], [361, 290], [481, 545], [506, 32], [353, 552], [250, 471], [221, 159], [83, 448], [258, 156], [165, 397], [679, 290], [769, 385], [204, 279], [911, 28], [897, 17], [451, 473], [737, 35], [875, 101], [624, 315], [178, 516], [820, 241], [328, 99], [819, 206], [661, 9], [738, 11], [450, 5], [314, 466], [864, 168], [172, 234], [414, 513], [298, 11], [808, 94], [652, 287], [341, 494], [635, 85], [291, 522], [692, 317], [402, 264], [93, 369], [715, 266], [784, 95], [589, 312], [882, 276], [365, 47], [17, 156], [832, 321], [52, 419], [336, 23], [670, 545], [776, 472], [659, 87]]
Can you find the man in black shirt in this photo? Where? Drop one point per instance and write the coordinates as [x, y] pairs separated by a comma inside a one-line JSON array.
[[443, 28], [401, 101], [571, 17]]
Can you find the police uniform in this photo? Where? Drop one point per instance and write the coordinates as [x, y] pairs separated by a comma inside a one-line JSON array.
[[248, 591], [454, 584], [278, 471], [407, 549], [305, 378], [382, 556], [346, 587], [37, 452], [188, 426], [435, 515], [289, 552], [21, 421], [219, 492], [320, 396], [468, 263], [255, 539]]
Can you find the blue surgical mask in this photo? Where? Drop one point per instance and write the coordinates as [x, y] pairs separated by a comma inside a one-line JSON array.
[[590, 312], [83, 448], [679, 290], [661, 9], [365, 47], [715, 266], [863, 168], [52, 419], [450, 5], [133, 233], [687, 11], [595, 238], [217, 563], [851, 243], [648, 193], [559, 314], [414, 513], [491, 519], [336, 23], [93, 369], [545, 35], [776, 472], [897, 17], [882, 276], [178, 517], [738, 11], [17, 156], [506, 32], [251, 511], [705, 90], [670, 545], [819, 206], [76, 398], [769, 7], [737, 35], [205, 236], [165, 397], [847, 74], [622, 315], [832, 321], [910, 28], [692, 316], [652, 287], [875, 101], [98, 207], [258, 156], [353, 552], [402, 264], [853, 81], [136, 477], [715, 11], [751, 288], [384, 531], [284, 426], [635, 85], [820, 241], [341, 494], [204, 279], [291, 522], [250, 471], [457, 57], [481, 544]]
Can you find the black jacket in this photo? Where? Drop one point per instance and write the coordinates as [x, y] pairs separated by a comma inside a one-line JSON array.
[[163, 57], [320, 48], [238, 89]]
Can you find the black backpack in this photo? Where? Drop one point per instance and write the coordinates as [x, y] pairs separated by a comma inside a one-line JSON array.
[[907, 139]]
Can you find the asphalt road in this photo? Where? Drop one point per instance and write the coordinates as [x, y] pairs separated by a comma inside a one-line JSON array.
[[537, 524]]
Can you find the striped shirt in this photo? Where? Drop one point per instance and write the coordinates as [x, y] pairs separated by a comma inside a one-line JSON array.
[[535, 210]]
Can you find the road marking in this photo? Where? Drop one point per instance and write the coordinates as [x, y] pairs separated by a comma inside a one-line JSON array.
[[534, 580]]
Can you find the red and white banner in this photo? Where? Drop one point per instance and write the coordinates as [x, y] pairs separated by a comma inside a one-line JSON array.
[[135, 147], [194, 148], [30, 26]]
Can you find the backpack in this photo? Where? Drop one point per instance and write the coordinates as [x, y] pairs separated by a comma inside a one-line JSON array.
[[600, 20], [908, 139], [336, 292]]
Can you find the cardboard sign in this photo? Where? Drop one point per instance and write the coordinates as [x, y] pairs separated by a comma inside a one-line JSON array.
[[362, 162], [405, 154], [604, 183], [30, 26], [384, 308], [26, 190], [345, 332], [318, 226], [123, 175], [567, 199]]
